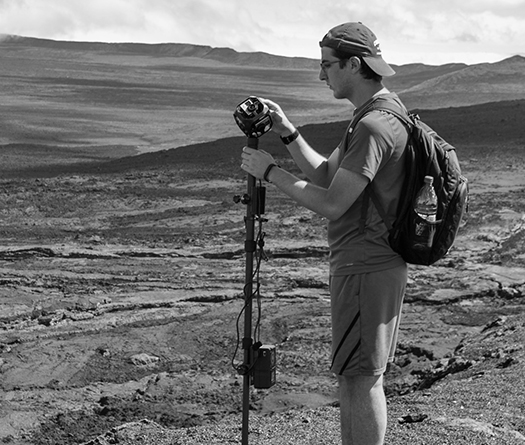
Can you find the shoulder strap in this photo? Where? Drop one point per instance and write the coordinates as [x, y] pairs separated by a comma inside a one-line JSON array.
[[369, 192], [394, 109], [382, 104]]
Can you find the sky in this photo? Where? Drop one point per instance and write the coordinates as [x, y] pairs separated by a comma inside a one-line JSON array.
[[434, 32]]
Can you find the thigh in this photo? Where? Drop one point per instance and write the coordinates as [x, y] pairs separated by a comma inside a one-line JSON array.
[[365, 318]]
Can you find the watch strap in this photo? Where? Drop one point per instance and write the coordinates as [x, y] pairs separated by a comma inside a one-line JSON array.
[[289, 139], [267, 172]]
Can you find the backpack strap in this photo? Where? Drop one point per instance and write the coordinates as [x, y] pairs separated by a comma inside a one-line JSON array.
[[369, 192], [394, 109]]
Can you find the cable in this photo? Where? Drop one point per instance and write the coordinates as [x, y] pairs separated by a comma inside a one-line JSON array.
[[259, 256]]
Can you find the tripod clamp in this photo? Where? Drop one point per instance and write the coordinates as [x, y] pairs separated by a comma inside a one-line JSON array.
[[257, 199]]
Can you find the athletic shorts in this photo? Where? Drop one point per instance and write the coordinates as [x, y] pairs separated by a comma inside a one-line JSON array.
[[366, 311]]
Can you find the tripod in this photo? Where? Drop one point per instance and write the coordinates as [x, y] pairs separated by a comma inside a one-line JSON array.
[[253, 118], [250, 248]]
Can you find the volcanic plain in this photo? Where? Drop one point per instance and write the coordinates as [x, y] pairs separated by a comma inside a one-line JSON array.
[[122, 264]]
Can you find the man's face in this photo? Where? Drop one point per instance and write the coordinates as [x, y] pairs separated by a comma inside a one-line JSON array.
[[335, 76]]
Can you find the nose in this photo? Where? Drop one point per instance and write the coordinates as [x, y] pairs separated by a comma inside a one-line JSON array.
[[322, 75]]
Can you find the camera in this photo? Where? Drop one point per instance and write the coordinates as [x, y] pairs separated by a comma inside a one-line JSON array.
[[253, 117]]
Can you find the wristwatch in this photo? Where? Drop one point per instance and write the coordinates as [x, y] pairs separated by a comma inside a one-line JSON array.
[[267, 172], [289, 139]]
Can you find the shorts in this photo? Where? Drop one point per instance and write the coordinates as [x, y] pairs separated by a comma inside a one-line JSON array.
[[366, 311]]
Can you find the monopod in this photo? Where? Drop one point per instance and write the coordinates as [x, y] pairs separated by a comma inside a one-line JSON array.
[[258, 368]]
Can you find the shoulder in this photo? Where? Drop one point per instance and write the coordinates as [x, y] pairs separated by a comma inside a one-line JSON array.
[[377, 123], [381, 129], [376, 119]]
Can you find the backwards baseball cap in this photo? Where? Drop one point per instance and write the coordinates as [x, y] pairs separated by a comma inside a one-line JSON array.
[[356, 39]]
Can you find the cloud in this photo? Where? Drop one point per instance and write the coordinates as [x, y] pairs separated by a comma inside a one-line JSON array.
[[409, 30], [56, 18], [448, 30]]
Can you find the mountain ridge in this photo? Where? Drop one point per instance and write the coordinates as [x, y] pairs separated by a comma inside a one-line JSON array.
[[474, 84], [220, 54], [418, 84], [61, 92]]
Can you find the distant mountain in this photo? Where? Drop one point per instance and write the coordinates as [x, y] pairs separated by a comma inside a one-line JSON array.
[[419, 85], [416, 73], [481, 83], [61, 92], [223, 55]]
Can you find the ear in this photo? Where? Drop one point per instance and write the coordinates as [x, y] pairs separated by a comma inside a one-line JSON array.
[[355, 63]]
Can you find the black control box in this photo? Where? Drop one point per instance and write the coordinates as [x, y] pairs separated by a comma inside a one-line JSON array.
[[264, 368]]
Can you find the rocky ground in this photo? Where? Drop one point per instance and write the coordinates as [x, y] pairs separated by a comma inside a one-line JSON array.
[[121, 286]]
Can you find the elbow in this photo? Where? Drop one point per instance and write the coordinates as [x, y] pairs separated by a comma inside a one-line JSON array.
[[333, 216], [321, 176], [332, 212]]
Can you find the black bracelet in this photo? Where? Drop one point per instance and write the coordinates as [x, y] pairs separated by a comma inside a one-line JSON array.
[[267, 172], [289, 139]]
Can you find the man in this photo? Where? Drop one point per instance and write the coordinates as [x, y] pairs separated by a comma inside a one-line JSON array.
[[367, 278]]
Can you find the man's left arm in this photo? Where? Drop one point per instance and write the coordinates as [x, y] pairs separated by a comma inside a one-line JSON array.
[[331, 202]]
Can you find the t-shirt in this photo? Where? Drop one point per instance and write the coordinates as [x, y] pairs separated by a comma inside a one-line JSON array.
[[375, 149]]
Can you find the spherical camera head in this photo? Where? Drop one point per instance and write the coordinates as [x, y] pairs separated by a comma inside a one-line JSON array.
[[253, 117]]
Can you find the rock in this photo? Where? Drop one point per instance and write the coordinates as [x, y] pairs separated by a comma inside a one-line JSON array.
[[144, 360], [412, 418]]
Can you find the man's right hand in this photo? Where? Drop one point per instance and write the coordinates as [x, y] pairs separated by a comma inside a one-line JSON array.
[[281, 125]]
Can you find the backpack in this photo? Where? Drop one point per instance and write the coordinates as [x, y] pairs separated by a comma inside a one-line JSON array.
[[426, 154]]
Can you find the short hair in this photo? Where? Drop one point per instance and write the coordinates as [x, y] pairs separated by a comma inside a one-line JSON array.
[[365, 70]]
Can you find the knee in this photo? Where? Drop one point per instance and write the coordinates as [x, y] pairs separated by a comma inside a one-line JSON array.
[[359, 384]]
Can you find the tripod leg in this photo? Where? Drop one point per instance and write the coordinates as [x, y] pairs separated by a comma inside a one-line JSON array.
[[250, 247]]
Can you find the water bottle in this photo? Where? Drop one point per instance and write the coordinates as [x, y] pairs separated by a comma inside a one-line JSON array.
[[426, 206]]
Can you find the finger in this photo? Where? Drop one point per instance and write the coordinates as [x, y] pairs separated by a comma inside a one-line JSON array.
[[270, 104]]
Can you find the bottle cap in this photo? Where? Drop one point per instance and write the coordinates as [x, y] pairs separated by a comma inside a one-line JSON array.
[[429, 179]]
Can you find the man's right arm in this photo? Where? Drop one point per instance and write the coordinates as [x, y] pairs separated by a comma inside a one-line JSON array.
[[319, 169]]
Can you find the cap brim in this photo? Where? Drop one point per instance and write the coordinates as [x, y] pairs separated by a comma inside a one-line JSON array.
[[379, 66]]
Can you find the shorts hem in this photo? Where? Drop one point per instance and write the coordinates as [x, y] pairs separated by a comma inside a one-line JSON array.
[[362, 373]]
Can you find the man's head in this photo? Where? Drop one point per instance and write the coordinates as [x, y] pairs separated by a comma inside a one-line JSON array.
[[355, 39]]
